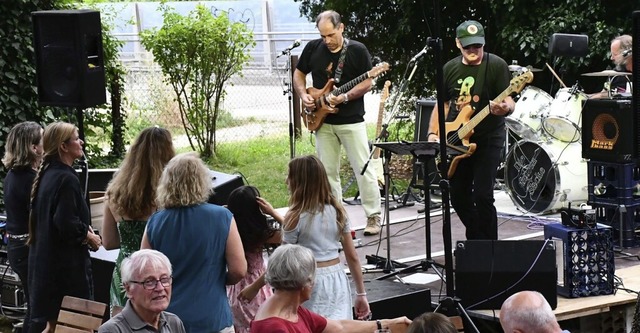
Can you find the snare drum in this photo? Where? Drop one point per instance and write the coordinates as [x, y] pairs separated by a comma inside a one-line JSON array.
[[531, 108], [563, 121], [541, 177]]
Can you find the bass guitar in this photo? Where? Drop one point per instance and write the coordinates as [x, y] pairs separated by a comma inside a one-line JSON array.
[[313, 119], [461, 129]]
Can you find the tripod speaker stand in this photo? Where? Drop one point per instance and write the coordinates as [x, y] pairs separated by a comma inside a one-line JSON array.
[[423, 151]]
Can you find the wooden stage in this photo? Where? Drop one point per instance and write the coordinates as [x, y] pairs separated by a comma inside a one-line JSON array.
[[582, 307]]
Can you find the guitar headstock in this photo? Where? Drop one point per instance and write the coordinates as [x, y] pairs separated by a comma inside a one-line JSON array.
[[519, 82], [385, 90], [378, 69]]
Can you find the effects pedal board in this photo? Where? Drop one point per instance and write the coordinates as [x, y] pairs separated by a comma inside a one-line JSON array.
[[583, 217]]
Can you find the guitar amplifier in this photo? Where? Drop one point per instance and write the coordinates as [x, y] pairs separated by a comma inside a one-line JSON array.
[[12, 293]]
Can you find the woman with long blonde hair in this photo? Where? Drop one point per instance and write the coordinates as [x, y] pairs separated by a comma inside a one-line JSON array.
[[22, 157], [131, 198], [59, 232], [316, 220]]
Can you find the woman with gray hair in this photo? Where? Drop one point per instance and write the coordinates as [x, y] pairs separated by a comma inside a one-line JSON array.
[[291, 273], [202, 242]]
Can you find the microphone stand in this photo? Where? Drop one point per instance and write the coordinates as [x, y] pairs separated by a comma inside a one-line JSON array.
[[451, 302], [289, 92], [384, 133]]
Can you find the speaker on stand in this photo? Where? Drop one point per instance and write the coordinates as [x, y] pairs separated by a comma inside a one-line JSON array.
[[69, 61]]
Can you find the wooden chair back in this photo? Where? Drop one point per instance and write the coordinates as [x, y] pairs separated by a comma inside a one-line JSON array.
[[80, 315]]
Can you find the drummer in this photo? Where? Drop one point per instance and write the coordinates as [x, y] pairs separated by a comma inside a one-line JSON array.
[[622, 57]]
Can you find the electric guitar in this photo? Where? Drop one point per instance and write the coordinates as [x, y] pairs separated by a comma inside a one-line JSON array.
[[461, 129], [376, 161], [313, 119]]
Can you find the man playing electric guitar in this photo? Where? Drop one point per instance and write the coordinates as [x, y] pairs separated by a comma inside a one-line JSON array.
[[333, 57], [472, 80]]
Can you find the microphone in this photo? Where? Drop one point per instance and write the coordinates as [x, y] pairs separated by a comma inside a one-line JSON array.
[[295, 44], [420, 54]]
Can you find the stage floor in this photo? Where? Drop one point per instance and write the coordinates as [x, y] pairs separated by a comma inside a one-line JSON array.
[[408, 243]]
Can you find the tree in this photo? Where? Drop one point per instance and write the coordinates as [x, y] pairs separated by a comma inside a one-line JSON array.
[[516, 30], [198, 54]]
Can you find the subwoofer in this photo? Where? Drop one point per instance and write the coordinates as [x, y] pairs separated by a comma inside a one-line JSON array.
[[69, 60], [489, 271]]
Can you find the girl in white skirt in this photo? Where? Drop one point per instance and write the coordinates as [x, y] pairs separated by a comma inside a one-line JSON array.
[[316, 220]]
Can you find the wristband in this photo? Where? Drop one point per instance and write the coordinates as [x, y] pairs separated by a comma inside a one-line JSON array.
[[346, 98], [379, 324], [361, 294], [428, 134]]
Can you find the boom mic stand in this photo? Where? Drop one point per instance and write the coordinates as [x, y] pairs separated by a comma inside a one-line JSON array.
[[451, 302], [289, 92]]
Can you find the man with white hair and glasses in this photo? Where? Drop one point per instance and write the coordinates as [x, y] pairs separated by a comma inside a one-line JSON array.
[[146, 277]]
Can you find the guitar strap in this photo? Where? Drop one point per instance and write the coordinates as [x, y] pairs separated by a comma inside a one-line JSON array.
[[482, 77], [343, 55]]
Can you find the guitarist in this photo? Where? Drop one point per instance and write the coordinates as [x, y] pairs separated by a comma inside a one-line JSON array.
[[333, 57], [471, 81]]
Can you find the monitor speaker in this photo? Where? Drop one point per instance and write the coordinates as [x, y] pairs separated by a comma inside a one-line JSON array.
[[489, 271], [610, 130], [223, 185], [568, 45], [389, 299], [69, 60]]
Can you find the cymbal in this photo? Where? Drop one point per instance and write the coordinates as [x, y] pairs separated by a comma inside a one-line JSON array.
[[515, 68], [607, 72]]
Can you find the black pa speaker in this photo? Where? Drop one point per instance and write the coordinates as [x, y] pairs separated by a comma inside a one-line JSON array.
[[489, 271], [610, 130], [69, 62], [223, 185], [568, 45], [389, 299]]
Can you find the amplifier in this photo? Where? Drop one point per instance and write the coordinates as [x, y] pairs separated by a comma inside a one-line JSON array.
[[12, 293]]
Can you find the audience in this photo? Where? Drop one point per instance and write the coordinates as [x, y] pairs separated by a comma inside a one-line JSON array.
[[22, 156], [60, 235], [146, 276], [256, 233], [528, 312], [291, 272], [202, 242], [317, 220], [131, 198], [432, 322]]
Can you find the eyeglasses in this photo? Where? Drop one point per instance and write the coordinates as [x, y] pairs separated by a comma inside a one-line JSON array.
[[475, 46], [151, 284]]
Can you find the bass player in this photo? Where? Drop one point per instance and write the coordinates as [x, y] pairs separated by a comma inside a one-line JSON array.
[[471, 81], [333, 57]]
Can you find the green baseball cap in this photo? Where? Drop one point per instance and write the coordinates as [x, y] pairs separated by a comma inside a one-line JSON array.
[[470, 32]]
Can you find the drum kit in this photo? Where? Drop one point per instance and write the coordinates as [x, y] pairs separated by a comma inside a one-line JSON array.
[[544, 170]]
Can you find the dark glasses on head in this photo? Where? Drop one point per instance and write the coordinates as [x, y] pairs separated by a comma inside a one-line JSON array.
[[474, 46]]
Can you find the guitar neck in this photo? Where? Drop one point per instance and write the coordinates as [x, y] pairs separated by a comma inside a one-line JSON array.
[[349, 85], [475, 120]]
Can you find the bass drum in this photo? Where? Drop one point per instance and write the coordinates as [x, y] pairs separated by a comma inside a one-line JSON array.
[[542, 177]]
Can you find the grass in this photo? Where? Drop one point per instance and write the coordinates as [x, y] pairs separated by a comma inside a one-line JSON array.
[[263, 163]]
